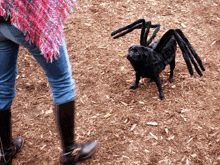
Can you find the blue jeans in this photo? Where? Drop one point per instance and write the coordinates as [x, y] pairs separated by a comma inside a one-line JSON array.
[[58, 72]]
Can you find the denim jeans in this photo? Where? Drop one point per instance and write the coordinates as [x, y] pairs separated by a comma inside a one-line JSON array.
[[58, 72]]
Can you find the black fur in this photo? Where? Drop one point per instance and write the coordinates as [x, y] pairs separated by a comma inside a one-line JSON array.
[[148, 60]]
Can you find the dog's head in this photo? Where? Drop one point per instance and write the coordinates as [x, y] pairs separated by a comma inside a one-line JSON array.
[[138, 54]]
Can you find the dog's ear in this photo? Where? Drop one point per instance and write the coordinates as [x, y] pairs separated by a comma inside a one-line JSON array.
[[148, 56], [141, 50], [144, 51]]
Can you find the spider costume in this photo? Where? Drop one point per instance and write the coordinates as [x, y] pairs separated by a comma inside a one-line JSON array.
[[149, 60]]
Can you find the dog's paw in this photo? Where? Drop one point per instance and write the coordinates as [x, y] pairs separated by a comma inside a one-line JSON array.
[[170, 79], [134, 86], [161, 96], [151, 80]]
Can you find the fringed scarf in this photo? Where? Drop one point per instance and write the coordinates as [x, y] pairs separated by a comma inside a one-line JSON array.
[[40, 20]]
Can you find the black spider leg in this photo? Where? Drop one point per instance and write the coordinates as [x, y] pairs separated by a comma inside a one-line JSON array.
[[148, 26], [165, 39], [186, 54], [133, 26], [157, 26], [130, 28], [190, 48], [192, 60], [142, 37], [144, 34]]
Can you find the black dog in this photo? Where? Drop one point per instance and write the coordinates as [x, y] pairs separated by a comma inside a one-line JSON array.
[[149, 60]]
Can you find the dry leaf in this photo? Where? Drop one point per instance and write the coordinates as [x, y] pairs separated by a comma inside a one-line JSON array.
[[108, 115]]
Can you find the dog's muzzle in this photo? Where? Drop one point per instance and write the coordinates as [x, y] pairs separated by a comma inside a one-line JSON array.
[[129, 56]]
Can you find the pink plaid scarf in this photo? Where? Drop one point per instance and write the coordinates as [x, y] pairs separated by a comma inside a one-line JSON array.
[[40, 20]]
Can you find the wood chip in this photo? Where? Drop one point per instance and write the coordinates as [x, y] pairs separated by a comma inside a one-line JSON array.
[[126, 120], [183, 117], [153, 136], [133, 127], [213, 43], [152, 123], [189, 140], [146, 151], [183, 25], [43, 147], [184, 110], [194, 155], [141, 102], [171, 137], [49, 111], [174, 86], [125, 104]]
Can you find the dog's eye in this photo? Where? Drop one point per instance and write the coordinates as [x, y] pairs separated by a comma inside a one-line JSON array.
[[131, 48]]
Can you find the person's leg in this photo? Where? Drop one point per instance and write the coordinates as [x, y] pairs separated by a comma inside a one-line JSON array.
[[63, 87], [8, 72], [59, 75], [58, 72], [8, 68]]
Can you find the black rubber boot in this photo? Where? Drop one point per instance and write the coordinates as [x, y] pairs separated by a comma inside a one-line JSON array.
[[72, 152], [8, 148]]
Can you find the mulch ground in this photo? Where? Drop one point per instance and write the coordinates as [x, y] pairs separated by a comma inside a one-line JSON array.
[[187, 129]]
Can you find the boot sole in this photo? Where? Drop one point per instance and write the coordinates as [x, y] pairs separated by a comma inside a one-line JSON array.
[[22, 145], [81, 159], [86, 157]]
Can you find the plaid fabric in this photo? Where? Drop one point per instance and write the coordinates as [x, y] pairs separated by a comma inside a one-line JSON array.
[[40, 20]]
